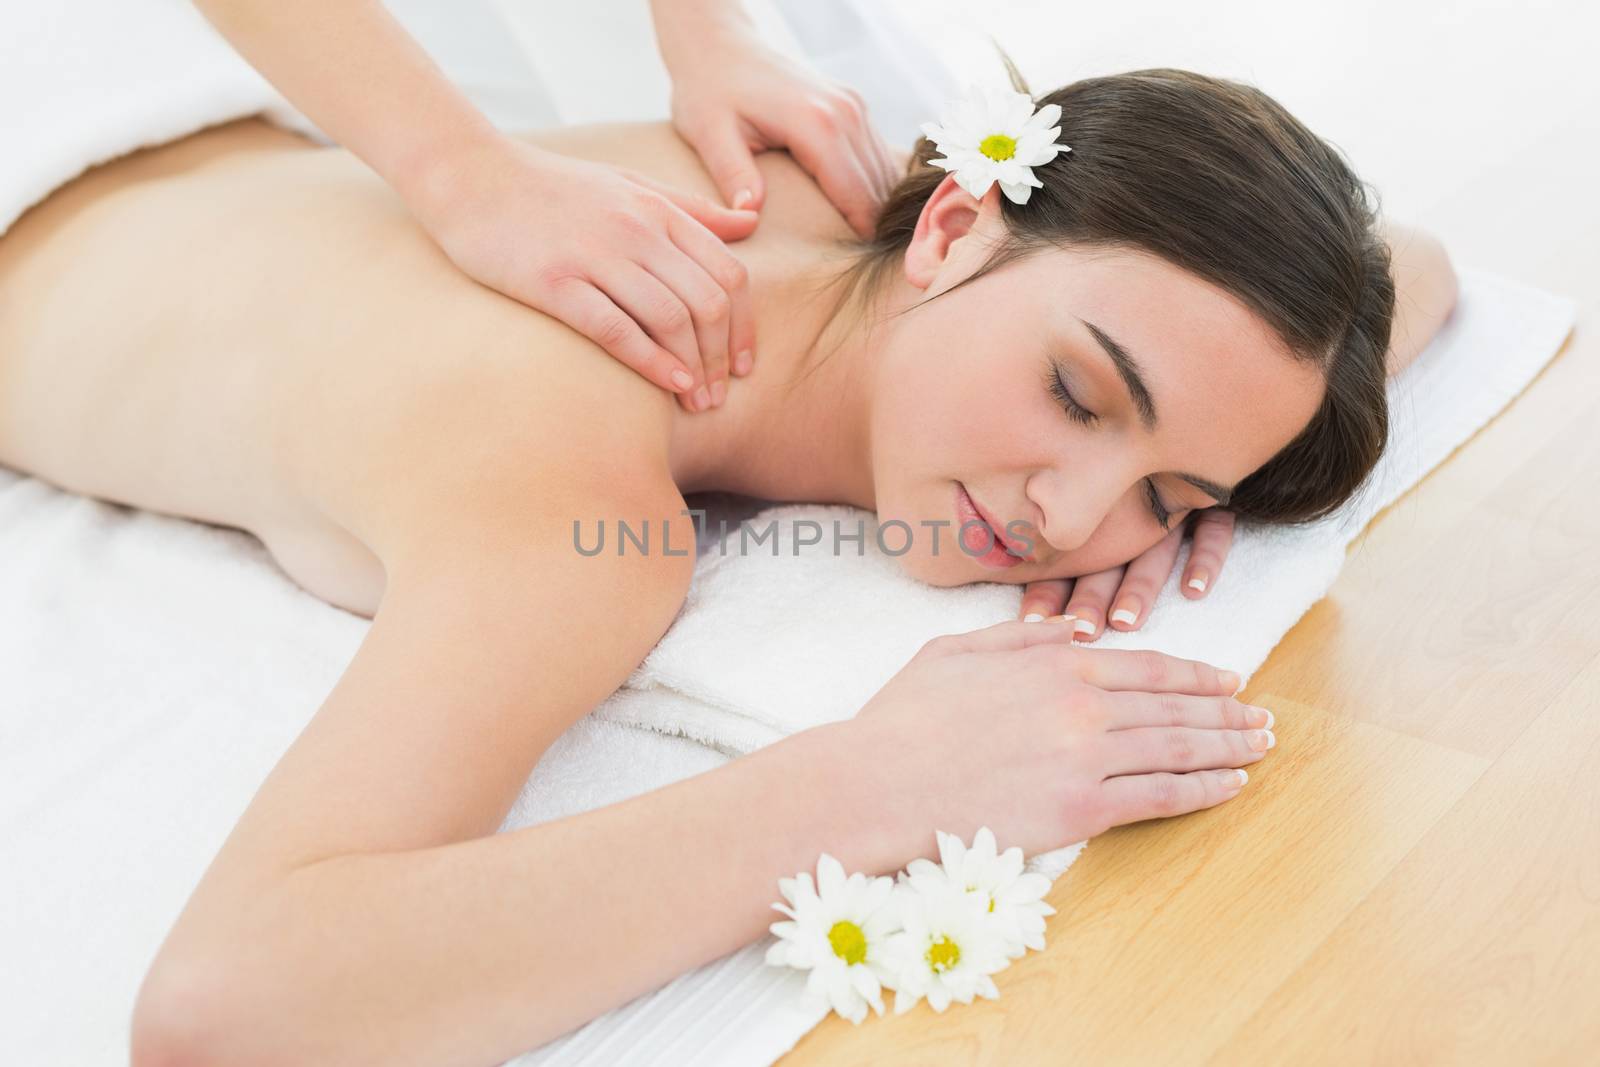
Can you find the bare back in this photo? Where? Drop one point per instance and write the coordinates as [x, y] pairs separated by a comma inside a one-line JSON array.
[[249, 329]]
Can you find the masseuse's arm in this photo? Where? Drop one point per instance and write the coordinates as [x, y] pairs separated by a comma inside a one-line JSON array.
[[634, 266], [732, 97]]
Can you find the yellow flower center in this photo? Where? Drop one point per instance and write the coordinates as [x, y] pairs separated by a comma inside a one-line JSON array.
[[848, 942], [998, 147], [943, 954], [991, 903]]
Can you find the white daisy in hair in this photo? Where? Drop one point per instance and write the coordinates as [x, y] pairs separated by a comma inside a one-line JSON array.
[[995, 135], [1013, 900], [838, 931], [946, 949]]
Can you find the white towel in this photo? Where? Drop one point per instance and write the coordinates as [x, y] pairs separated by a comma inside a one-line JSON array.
[[773, 642]]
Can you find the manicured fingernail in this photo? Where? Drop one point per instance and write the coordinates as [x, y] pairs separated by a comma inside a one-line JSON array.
[[741, 198], [682, 379], [1125, 615], [701, 398], [742, 362], [1198, 582], [1085, 627], [1260, 740], [1271, 718], [719, 392], [1239, 775], [1230, 680], [1033, 616]]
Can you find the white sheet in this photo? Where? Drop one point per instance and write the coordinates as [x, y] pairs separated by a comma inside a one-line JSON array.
[[153, 670]]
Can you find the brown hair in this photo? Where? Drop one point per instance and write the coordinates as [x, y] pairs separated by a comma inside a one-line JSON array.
[[1216, 177]]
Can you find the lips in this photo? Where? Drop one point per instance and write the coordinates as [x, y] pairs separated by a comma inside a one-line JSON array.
[[997, 557]]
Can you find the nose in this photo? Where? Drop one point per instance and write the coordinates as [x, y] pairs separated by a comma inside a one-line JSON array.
[[1072, 505]]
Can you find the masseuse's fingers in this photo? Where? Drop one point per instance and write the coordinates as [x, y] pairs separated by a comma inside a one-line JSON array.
[[662, 313], [1044, 599], [1145, 576], [709, 310], [1091, 600], [597, 316], [730, 224], [738, 324], [1213, 537], [844, 177], [722, 147]]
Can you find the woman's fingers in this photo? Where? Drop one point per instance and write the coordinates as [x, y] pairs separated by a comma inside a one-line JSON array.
[[1091, 600], [1133, 710], [1149, 749], [1213, 536], [661, 312], [598, 317], [1044, 599], [1001, 637], [1136, 797], [1144, 578], [1147, 671]]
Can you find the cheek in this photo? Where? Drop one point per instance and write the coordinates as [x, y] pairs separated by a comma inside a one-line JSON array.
[[1126, 534]]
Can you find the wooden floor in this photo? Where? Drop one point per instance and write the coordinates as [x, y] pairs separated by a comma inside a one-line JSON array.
[[1412, 876]]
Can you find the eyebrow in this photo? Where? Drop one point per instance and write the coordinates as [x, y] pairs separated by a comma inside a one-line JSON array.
[[1128, 370]]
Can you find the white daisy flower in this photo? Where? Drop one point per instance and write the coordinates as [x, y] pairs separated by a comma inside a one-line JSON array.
[[946, 951], [838, 930], [1013, 900], [995, 135]]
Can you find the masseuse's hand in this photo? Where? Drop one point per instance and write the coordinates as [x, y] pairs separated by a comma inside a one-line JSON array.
[[1132, 587], [1048, 742], [732, 97], [635, 266]]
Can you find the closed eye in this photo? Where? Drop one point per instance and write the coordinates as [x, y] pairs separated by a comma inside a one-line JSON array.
[[1082, 415], [1064, 397]]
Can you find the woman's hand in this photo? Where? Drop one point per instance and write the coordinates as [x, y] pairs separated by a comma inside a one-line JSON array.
[[1096, 598], [635, 266], [1047, 742], [732, 97]]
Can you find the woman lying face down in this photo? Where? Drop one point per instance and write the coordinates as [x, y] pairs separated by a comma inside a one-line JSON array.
[[276, 347], [1193, 311]]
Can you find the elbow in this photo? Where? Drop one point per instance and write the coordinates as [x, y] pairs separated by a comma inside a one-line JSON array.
[[189, 1013], [1427, 289], [171, 1015]]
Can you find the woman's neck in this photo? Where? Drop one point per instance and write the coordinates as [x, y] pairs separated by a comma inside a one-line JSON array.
[[784, 433]]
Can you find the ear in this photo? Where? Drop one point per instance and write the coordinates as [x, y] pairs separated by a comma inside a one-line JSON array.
[[949, 215]]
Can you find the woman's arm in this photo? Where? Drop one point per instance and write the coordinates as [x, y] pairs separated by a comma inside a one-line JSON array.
[[358, 914], [1425, 292]]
